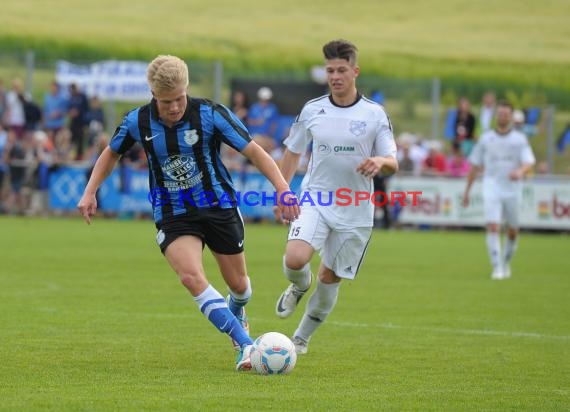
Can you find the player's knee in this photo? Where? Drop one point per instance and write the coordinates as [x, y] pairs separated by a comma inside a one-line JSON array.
[[241, 288], [295, 262], [190, 279]]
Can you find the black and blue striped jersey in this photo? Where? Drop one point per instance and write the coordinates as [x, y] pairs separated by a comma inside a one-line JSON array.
[[186, 172]]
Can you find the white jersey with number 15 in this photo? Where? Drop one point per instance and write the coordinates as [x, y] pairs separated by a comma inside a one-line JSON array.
[[342, 137]]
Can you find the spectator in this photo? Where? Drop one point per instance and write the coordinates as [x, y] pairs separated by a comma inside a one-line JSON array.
[[14, 115], [3, 167], [435, 163], [377, 96], [519, 121], [55, 109], [487, 111], [32, 116], [43, 152], [17, 159], [457, 164], [240, 105], [407, 165], [416, 152], [542, 168], [78, 107], [465, 122], [262, 120], [2, 100], [95, 120], [63, 147]]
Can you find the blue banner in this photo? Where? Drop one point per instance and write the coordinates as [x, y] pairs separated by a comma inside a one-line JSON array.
[[126, 190]]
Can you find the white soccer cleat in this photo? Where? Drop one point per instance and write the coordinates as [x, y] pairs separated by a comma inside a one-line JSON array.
[[288, 301], [243, 360], [301, 345], [497, 274]]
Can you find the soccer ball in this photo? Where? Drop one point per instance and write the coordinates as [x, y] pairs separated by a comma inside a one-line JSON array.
[[272, 354]]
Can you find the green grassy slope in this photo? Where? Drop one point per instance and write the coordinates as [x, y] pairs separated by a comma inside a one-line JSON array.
[[510, 40], [93, 319]]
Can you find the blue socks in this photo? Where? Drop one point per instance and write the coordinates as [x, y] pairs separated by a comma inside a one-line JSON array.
[[215, 308], [237, 302]]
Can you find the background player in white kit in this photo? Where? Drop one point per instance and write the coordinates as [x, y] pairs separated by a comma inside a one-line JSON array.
[[505, 156], [352, 141]]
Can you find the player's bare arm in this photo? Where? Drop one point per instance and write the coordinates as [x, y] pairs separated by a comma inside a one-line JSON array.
[[473, 172], [287, 201], [374, 165], [288, 166], [103, 167]]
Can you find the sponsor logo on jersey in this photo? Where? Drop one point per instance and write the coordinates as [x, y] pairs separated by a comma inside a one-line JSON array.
[[344, 149], [323, 149], [181, 169]]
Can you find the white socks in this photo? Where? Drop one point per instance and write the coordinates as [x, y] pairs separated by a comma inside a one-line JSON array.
[[300, 278], [510, 248], [494, 249], [320, 304]]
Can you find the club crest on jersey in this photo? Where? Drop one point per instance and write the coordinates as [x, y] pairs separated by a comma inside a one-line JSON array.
[[191, 136], [357, 128]]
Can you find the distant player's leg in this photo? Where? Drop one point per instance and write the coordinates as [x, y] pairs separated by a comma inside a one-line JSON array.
[[185, 256], [511, 237], [493, 211], [305, 235], [344, 251], [494, 249]]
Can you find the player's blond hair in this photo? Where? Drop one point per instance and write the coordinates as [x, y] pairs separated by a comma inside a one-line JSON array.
[[166, 73]]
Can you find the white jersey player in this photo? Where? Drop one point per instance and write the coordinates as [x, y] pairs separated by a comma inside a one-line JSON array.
[[505, 156], [352, 141]]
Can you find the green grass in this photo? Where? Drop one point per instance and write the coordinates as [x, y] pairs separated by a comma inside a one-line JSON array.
[[93, 319], [521, 42]]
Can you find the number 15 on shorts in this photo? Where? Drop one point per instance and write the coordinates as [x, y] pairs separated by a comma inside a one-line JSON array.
[[294, 232]]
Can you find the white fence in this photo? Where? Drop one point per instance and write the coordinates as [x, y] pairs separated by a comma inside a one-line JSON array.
[[545, 203]]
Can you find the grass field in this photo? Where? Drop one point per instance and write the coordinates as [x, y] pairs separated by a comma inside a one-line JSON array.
[[93, 319]]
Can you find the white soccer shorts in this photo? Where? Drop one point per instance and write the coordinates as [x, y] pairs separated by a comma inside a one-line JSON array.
[[498, 207], [340, 250]]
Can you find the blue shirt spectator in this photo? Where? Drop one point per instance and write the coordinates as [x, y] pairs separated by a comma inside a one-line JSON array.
[[56, 106], [263, 114]]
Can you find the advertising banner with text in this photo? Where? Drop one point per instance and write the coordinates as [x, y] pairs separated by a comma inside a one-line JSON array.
[[545, 203]]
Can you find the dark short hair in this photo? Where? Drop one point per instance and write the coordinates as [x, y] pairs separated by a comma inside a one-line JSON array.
[[340, 49], [506, 103]]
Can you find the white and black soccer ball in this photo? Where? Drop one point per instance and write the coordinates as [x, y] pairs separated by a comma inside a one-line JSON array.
[[273, 354]]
